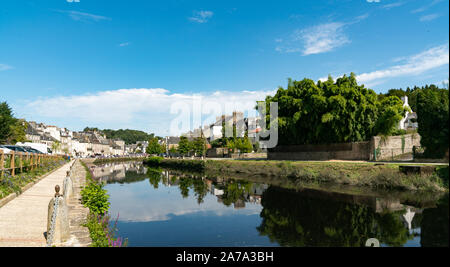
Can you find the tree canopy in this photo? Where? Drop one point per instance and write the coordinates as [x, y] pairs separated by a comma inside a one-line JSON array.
[[154, 147], [432, 116], [129, 136], [333, 112], [12, 130]]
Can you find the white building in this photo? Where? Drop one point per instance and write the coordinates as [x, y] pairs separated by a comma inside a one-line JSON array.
[[410, 119]]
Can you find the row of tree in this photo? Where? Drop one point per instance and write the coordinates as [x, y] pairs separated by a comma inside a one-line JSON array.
[[129, 136], [185, 147], [12, 130]]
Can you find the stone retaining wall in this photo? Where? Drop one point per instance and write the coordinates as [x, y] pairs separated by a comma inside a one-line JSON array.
[[387, 149], [79, 234]]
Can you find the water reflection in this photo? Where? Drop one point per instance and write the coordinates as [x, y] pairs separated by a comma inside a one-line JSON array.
[[177, 208]]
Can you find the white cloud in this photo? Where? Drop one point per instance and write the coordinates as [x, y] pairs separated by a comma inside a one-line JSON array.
[[124, 44], [142, 109], [392, 5], [423, 8], [82, 16], [429, 17], [5, 67], [417, 64], [317, 39], [373, 1], [414, 65], [201, 16]]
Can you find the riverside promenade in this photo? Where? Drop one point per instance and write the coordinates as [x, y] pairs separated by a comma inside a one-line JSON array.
[[23, 220]]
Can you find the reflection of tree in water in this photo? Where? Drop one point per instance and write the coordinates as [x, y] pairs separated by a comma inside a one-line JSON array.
[[154, 176], [200, 189], [234, 191], [435, 224], [292, 219], [184, 184]]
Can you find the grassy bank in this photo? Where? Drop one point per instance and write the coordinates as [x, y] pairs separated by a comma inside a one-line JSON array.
[[370, 175]]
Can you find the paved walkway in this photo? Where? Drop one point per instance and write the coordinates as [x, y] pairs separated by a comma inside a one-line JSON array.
[[23, 221]]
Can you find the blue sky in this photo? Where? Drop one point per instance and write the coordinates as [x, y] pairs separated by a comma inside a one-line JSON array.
[[120, 64]]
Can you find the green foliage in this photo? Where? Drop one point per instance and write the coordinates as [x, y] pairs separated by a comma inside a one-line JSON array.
[[432, 116], [410, 93], [12, 130], [102, 233], [390, 111], [153, 161], [242, 144], [199, 146], [154, 148], [184, 146], [95, 197], [129, 136], [326, 112]]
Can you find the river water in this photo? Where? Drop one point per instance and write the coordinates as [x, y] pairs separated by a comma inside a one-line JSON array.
[[162, 208]]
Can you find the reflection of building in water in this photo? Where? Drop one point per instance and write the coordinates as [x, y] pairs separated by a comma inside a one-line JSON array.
[[117, 171], [408, 216]]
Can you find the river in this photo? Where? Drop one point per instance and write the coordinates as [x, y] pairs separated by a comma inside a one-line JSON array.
[[164, 208]]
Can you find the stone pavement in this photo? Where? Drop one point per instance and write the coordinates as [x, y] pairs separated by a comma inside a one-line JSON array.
[[23, 221]]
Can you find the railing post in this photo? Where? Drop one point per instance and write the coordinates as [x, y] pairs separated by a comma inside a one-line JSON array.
[[57, 220], [2, 162], [28, 160], [13, 167], [20, 163]]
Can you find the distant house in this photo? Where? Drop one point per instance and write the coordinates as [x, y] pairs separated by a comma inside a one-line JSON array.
[[410, 119]]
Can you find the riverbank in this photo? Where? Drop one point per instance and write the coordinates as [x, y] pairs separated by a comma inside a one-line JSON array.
[[361, 174]]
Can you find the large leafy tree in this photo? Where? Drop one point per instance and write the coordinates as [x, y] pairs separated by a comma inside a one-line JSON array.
[[12, 130], [199, 146], [432, 116], [333, 112], [184, 146], [154, 147]]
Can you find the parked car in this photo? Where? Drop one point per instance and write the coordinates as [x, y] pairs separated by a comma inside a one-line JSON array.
[[32, 150], [5, 150], [15, 148]]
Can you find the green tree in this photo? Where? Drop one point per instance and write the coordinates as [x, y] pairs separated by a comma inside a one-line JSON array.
[[154, 148], [432, 117], [390, 111], [330, 112], [199, 146], [18, 132], [7, 123], [184, 146]]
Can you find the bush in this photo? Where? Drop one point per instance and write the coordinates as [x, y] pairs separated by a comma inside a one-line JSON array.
[[93, 196], [101, 232], [153, 161]]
